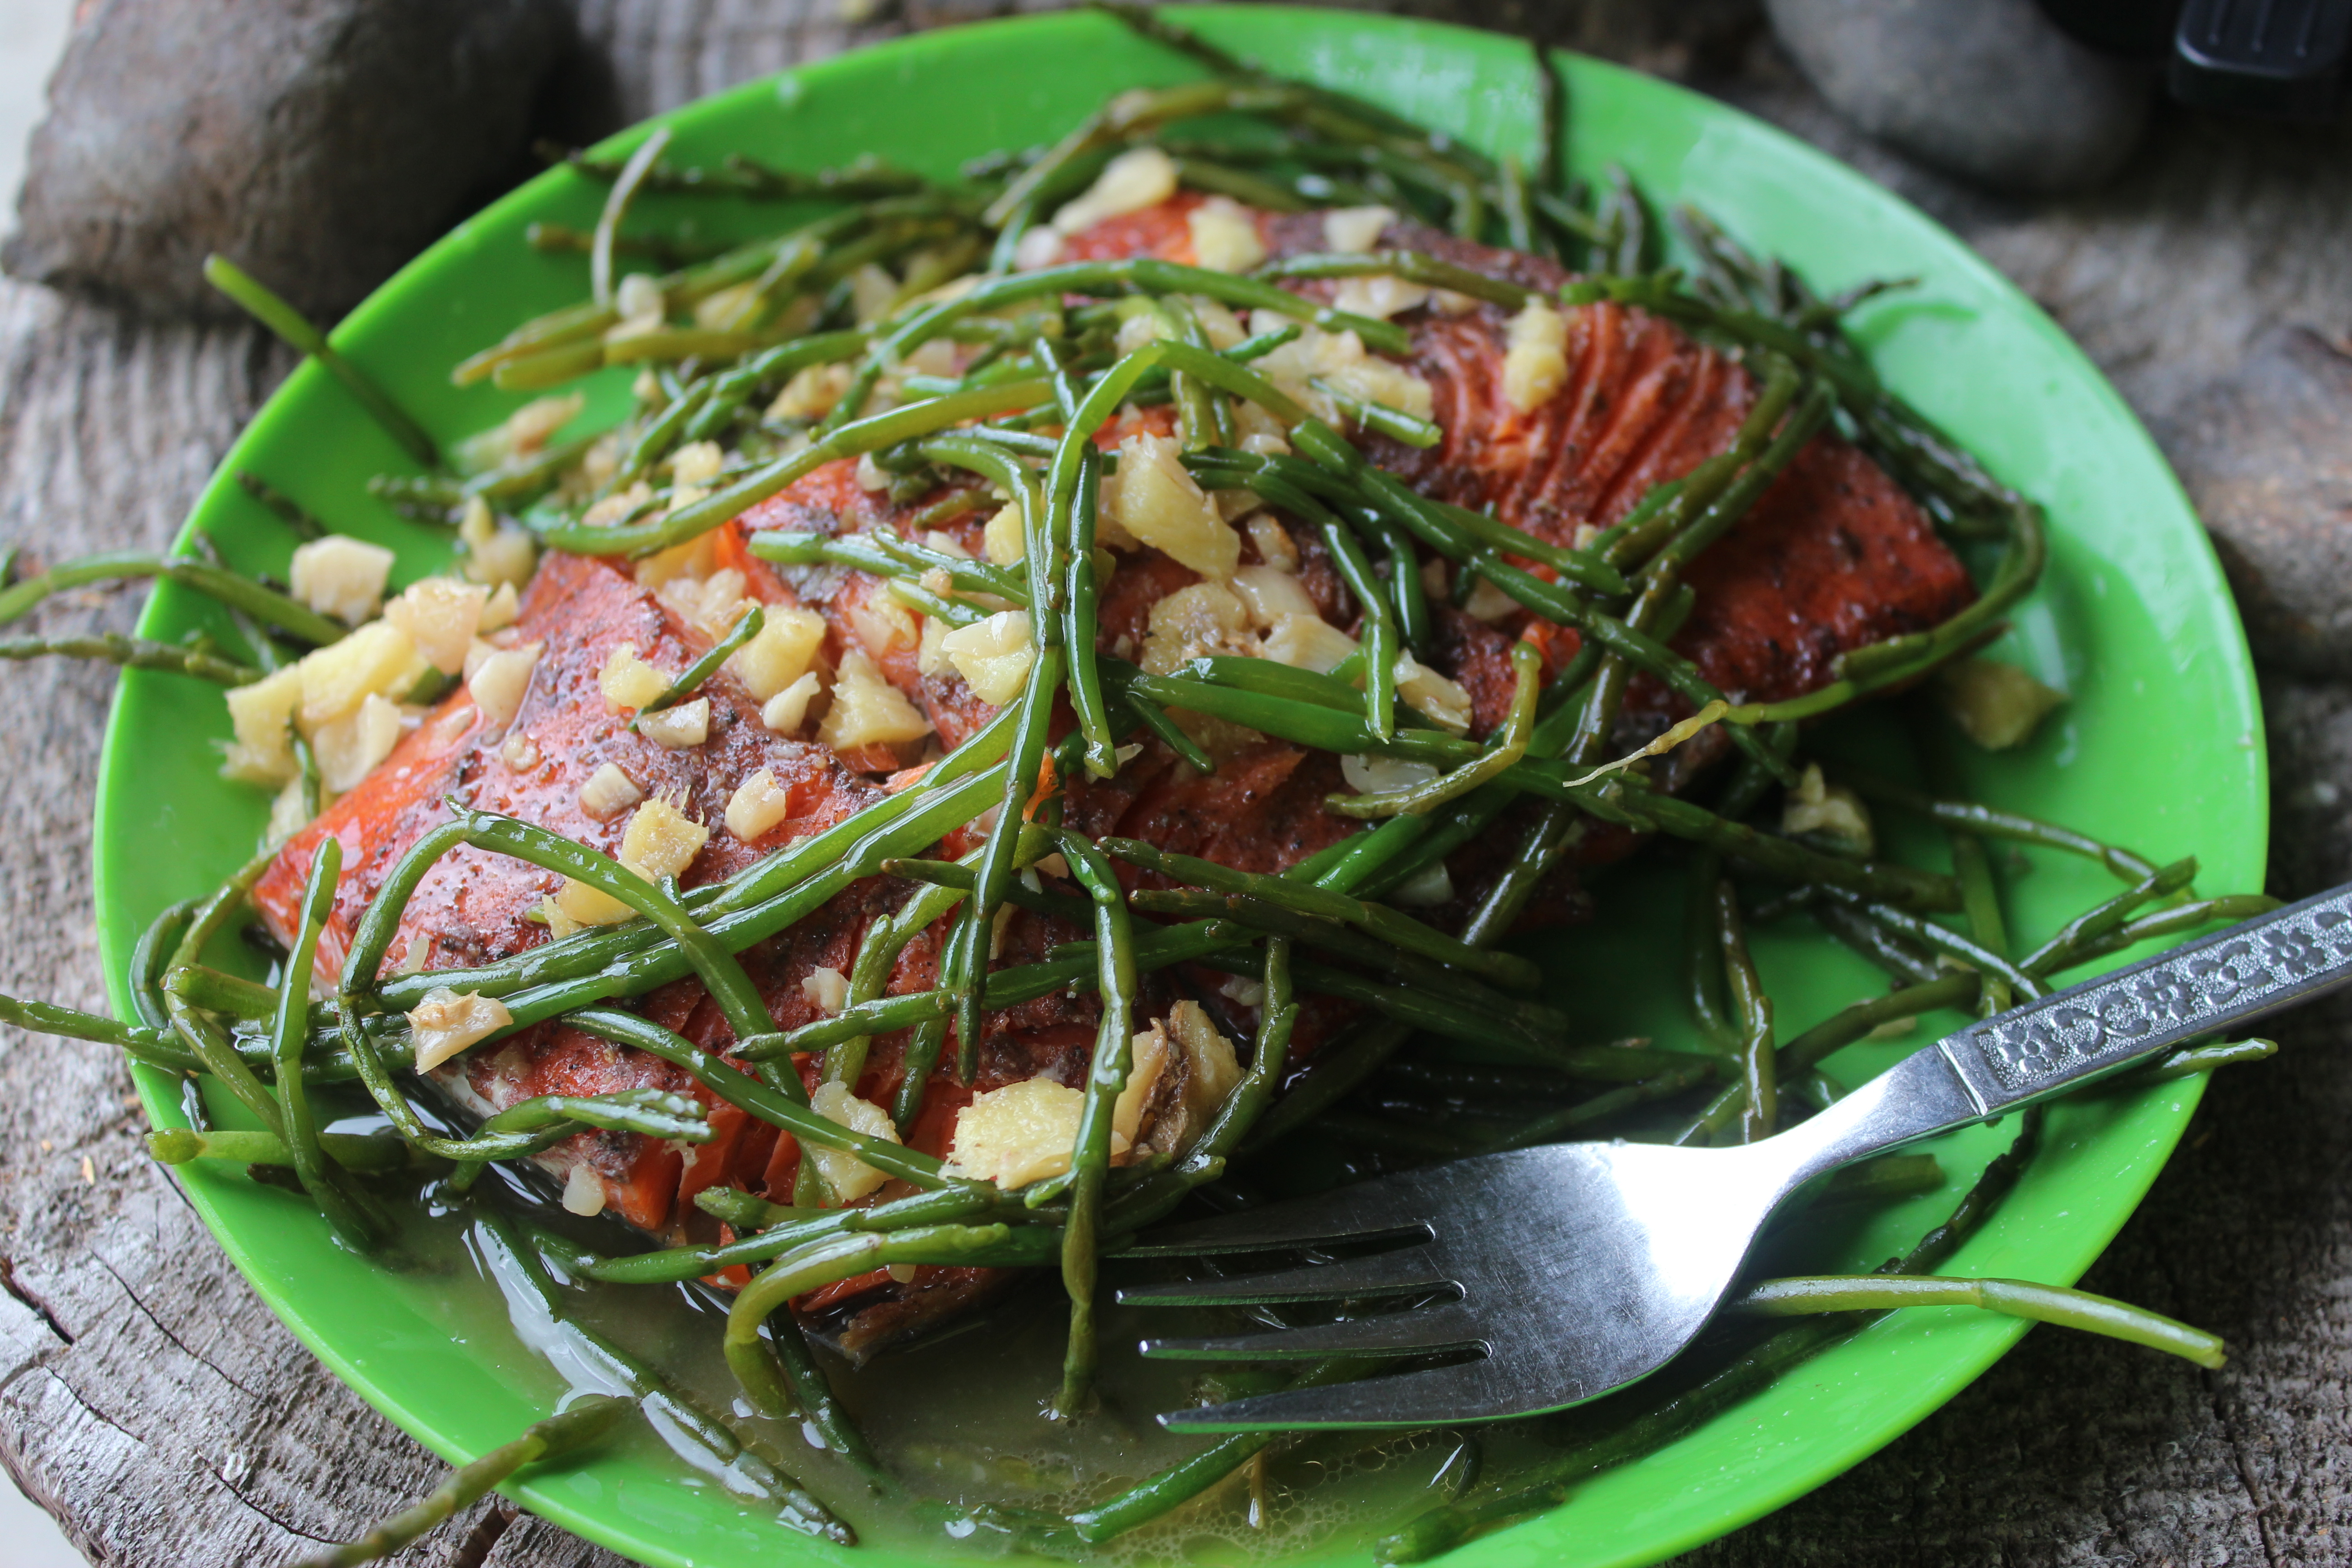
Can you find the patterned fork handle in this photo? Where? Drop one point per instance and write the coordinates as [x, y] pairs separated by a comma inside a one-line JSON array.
[[2251, 970], [2081, 1034]]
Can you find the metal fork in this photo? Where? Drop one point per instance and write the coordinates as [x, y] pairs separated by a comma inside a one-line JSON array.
[[1576, 1268]]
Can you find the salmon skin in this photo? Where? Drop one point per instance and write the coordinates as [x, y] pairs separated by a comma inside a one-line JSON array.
[[1832, 557]]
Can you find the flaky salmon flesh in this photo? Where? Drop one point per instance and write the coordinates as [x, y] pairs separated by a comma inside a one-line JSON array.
[[1833, 556]]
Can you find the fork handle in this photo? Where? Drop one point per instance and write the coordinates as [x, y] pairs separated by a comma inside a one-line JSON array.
[[2254, 969], [2088, 1031]]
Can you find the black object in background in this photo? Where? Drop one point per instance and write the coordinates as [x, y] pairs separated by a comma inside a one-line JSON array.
[[2280, 59], [2285, 58]]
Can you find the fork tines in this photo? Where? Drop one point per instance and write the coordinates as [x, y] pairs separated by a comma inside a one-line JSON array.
[[1438, 1396]]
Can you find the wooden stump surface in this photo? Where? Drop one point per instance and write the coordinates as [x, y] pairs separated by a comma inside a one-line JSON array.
[[151, 1402]]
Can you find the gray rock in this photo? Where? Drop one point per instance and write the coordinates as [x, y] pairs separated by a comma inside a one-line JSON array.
[[2266, 454], [1986, 89], [320, 143]]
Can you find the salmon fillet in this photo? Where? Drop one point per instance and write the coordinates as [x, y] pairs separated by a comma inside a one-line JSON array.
[[1833, 556]]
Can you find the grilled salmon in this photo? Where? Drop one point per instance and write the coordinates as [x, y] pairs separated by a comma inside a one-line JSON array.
[[1833, 556]]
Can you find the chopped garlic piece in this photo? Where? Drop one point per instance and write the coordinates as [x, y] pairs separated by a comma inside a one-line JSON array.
[[883, 625], [711, 606], [1833, 811], [1431, 887], [1137, 178], [1005, 541], [1234, 502], [994, 655], [349, 748], [717, 311], [440, 615], [1379, 296], [583, 1191], [619, 507], [758, 805], [1020, 1133], [688, 724], [1355, 230], [1309, 642], [497, 554], [933, 356], [1431, 695], [1271, 593], [781, 655], [501, 680], [1224, 236], [930, 654], [867, 709], [639, 303], [849, 1178], [1201, 618], [1154, 498], [1039, 247], [608, 793], [1376, 774], [1535, 367], [787, 711], [697, 558], [812, 392], [827, 990], [1275, 545], [629, 682], [581, 905], [1487, 603], [1999, 705], [528, 429], [872, 292], [499, 614], [661, 841], [1222, 326], [1341, 359], [1260, 433], [1148, 1056], [520, 751], [288, 813], [697, 462], [445, 1023], [376, 658], [262, 714], [342, 576], [1140, 328], [1214, 1066], [603, 458]]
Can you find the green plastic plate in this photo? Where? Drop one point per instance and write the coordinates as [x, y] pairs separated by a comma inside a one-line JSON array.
[[2160, 747]]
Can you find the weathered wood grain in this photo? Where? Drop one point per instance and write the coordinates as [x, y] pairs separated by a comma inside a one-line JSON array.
[[151, 1403]]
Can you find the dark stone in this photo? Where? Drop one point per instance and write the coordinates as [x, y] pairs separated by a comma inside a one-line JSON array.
[[1989, 90], [2266, 454], [320, 143]]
